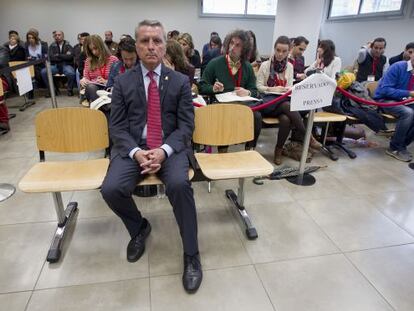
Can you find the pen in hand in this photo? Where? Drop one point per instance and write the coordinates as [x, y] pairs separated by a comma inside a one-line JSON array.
[[218, 86]]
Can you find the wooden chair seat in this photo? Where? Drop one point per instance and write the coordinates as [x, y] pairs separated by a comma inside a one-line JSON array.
[[270, 121], [322, 116], [242, 164], [152, 179], [65, 176]]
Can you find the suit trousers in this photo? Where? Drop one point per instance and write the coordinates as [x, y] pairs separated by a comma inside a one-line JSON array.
[[124, 174]]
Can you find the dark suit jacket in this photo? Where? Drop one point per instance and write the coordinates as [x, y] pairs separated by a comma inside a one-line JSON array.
[[129, 111]]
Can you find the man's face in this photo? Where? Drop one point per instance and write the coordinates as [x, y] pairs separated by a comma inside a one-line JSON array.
[[378, 49], [129, 59], [58, 36], [235, 48], [408, 54], [81, 40], [108, 36], [412, 56], [150, 46], [298, 50]]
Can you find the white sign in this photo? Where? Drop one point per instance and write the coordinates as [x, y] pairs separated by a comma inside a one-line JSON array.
[[314, 92], [24, 80]]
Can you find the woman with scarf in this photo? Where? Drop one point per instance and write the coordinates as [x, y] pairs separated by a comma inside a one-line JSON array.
[[275, 77]]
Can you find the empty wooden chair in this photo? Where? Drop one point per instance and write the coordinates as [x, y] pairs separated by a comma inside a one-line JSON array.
[[67, 130], [222, 125]]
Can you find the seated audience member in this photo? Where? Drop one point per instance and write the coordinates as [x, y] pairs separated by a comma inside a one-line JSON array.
[[77, 58], [207, 46], [214, 51], [15, 48], [128, 59], [396, 85], [193, 56], [61, 58], [326, 60], [276, 75], [175, 59], [371, 61], [233, 72], [253, 56], [4, 57], [35, 49], [296, 58], [148, 139], [112, 46], [405, 55], [97, 66], [173, 35], [4, 113], [4, 62], [16, 52], [12, 32], [123, 36]]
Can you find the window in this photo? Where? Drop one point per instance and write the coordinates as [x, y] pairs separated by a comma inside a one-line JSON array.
[[376, 6], [238, 8], [344, 7], [360, 8]]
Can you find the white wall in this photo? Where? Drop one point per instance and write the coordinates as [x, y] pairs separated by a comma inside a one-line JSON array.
[[300, 18], [349, 35], [96, 16]]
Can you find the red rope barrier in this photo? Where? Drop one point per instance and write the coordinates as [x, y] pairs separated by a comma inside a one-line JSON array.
[[340, 90], [274, 101], [370, 102]]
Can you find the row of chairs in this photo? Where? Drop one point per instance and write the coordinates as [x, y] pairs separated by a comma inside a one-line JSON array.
[[73, 130], [326, 118]]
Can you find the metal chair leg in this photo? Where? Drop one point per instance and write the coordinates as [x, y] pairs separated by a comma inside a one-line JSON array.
[[66, 218], [238, 202]]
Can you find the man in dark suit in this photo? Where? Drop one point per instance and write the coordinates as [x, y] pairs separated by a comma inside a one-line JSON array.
[[151, 124]]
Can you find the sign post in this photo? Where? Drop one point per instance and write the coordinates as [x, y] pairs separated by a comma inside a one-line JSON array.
[[312, 93]]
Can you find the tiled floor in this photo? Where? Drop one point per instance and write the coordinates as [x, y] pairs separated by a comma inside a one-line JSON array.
[[346, 243]]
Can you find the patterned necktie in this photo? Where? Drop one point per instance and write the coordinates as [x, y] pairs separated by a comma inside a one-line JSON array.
[[154, 130]]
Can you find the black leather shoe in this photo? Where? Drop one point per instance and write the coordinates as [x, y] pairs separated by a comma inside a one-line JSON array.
[[193, 275], [136, 246], [70, 93]]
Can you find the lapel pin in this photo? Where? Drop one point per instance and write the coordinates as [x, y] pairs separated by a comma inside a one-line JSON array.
[[166, 78]]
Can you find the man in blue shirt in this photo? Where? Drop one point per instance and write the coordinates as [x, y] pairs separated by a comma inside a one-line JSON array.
[[396, 85]]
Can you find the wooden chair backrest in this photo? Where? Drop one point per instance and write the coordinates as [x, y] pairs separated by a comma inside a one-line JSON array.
[[71, 130], [15, 63], [223, 124], [371, 87]]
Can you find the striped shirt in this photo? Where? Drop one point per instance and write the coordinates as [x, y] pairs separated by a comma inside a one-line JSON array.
[[92, 75]]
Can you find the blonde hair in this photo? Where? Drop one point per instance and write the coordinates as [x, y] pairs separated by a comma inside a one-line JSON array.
[[186, 37], [100, 60]]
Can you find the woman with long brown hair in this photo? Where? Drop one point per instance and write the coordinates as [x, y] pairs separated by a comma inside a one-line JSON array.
[[97, 66], [193, 56], [326, 60], [176, 60], [35, 49]]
